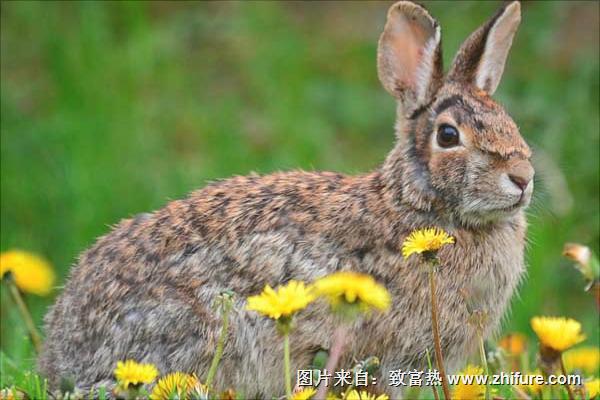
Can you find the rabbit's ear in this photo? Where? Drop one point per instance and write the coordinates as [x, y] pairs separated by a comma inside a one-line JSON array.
[[409, 57], [480, 60]]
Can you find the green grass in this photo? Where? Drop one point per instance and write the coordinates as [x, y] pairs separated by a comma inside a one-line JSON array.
[[110, 109]]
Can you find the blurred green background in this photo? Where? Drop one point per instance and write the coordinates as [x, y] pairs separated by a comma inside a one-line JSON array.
[[109, 109]]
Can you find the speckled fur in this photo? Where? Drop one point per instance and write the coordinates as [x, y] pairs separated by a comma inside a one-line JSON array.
[[145, 290]]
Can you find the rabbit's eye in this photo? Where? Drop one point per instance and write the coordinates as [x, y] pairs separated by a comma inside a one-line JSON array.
[[447, 136]]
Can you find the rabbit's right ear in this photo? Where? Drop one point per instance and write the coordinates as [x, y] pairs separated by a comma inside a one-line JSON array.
[[481, 58], [409, 57]]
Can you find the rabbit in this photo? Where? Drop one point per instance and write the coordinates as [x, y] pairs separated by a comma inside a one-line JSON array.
[[146, 290]]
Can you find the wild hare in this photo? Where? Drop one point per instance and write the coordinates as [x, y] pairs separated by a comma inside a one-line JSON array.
[[145, 290]]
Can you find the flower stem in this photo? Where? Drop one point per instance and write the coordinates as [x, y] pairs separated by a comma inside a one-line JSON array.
[[133, 392], [564, 372], [25, 314], [436, 396], [436, 334], [227, 304], [339, 340], [286, 365], [485, 365]]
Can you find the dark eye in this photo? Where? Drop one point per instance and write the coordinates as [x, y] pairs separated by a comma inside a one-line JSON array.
[[447, 136]]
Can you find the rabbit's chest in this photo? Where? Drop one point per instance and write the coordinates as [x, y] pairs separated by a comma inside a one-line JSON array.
[[477, 273], [491, 268]]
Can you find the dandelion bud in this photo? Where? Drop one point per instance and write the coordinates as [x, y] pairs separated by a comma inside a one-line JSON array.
[[585, 262]]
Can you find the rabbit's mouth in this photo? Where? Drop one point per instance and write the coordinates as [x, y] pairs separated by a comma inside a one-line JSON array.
[[494, 214], [514, 207], [522, 202], [519, 204], [509, 211]]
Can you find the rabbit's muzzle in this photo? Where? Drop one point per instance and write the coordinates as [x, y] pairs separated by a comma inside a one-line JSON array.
[[517, 181], [495, 187]]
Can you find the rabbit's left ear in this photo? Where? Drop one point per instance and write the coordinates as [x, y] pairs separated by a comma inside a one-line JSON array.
[[409, 57], [480, 60]]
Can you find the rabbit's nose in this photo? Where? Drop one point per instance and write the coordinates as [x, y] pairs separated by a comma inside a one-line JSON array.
[[521, 174], [519, 181]]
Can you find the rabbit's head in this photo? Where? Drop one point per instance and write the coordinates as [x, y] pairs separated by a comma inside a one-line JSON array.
[[458, 151]]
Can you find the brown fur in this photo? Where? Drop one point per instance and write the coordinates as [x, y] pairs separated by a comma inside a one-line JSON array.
[[145, 290]]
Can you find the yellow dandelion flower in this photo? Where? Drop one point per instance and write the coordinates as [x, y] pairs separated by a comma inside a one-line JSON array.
[[304, 394], [586, 359], [576, 252], [592, 388], [353, 287], [558, 334], [32, 273], [514, 343], [425, 240], [364, 395], [131, 373], [465, 391], [176, 383], [283, 302]]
